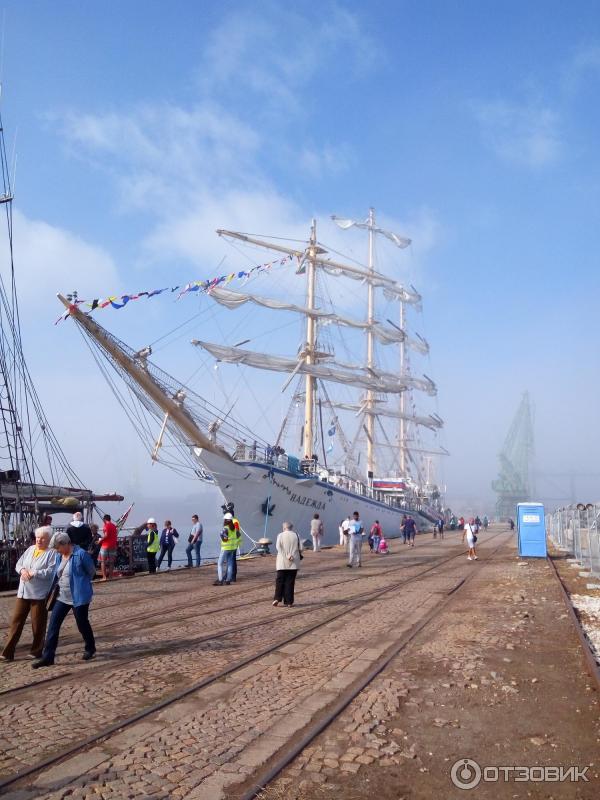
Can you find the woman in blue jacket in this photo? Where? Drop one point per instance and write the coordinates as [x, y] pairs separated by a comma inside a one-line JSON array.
[[73, 575]]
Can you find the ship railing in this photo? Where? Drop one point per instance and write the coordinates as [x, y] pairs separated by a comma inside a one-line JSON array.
[[575, 530]]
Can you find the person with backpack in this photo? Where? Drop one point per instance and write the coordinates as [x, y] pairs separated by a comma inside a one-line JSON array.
[[375, 536]]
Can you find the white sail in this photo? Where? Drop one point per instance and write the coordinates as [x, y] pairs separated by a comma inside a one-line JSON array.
[[422, 384], [383, 333], [399, 241], [359, 378], [392, 289], [430, 421]]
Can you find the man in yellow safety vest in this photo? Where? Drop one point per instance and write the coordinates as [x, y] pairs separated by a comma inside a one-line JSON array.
[[229, 544]]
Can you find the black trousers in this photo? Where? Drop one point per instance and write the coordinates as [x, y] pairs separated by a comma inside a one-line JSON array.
[[151, 562], [166, 549], [284, 586], [59, 612]]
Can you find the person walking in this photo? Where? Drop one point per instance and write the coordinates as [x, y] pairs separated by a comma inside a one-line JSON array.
[[486, 522], [168, 540], [73, 573], [403, 528], [316, 532], [376, 535], [79, 532], [357, 533], [229, 544], [440, 527], [36, 571], [289, 554], [194, 541], [471, 536], [410, 530], [108, 547]]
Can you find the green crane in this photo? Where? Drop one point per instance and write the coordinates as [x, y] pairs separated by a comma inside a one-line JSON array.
[[513, 484]]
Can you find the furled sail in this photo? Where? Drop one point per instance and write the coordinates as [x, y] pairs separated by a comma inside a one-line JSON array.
[[431, 421], [423, 384], [392, 289], [383, 333], [360, 378]]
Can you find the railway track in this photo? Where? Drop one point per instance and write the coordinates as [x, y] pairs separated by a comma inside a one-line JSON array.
[[264, 577], [350, 606], [115, 660]]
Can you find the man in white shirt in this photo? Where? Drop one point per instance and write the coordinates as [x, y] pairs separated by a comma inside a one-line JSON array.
[[344, 531], [357, 533]]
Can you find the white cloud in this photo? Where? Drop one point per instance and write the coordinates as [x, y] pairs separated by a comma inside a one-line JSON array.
[[275, 54], [527, 135], [326, 161], [49, 259], [161, 154]]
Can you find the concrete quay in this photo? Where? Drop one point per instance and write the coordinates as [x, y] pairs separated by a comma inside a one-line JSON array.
[[377, 682]]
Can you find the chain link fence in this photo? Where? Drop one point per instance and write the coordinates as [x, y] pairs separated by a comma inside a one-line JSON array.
[[576, 530]]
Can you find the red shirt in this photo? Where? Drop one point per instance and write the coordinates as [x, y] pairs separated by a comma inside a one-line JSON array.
[[109, 540]]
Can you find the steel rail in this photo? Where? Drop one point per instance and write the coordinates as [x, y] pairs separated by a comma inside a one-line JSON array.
[[369, 597], [253, 577], [325, 719], [592, 665], [117, 662]]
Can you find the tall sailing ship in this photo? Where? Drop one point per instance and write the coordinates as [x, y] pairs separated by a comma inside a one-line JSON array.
[[359, 445]]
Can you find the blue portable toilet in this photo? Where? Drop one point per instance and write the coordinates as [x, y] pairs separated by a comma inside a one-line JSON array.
[[531, 530]]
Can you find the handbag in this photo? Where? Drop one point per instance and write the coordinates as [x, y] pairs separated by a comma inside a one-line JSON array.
[[52, 595]]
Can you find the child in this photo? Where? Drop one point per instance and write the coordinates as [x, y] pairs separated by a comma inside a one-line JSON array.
[[383, 547]]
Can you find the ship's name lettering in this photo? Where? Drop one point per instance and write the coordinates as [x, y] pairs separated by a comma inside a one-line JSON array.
[[306, 501]]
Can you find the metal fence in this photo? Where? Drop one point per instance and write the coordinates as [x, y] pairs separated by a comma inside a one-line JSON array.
[[576, 530]]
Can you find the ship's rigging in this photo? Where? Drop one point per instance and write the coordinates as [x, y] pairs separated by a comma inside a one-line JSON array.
[[380, 400], [35, 475]]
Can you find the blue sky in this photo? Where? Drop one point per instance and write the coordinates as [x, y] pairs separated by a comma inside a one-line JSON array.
[[471, 126]]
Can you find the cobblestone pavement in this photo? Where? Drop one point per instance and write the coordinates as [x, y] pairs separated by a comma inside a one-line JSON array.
[[151, 676], [220, 734], [171, 626], [485, 683]]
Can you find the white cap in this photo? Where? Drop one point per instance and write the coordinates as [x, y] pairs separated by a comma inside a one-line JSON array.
[[228, 516], [151, 521]]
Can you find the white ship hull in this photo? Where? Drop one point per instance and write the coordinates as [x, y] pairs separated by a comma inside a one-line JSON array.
[[291, 498]]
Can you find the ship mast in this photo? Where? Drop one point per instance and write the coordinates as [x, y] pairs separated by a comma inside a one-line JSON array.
[[402, 399], [309, 401], [171, 406], [370, 421]]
